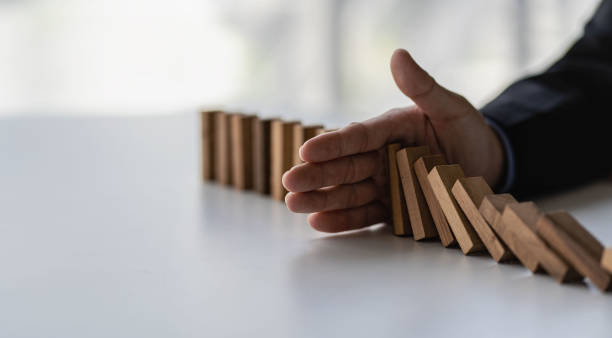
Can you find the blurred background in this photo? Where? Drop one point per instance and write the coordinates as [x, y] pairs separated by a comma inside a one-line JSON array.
[[317, 60]]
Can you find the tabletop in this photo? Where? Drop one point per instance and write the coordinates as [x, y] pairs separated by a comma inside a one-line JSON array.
[[107, 231]]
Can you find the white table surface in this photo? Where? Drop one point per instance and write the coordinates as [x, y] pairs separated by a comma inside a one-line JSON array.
[[106, 231]]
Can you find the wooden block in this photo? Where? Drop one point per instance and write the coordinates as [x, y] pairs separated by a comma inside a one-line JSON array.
[[518, 229], [606, 259], [223, 152], [208, 120], [442, 179], [281, 155], [401, 223], [492, 207], [420, 218], [261, 155], [469, 193], [422, 167], [301, 135], [567, 240], [241, 127]]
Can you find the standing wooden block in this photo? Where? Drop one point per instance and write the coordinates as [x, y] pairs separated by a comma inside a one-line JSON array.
[[301, 135], [518, 229], [223, 152], [442, 179], [401, 223], [567, 238], [281, 155], [422, 167], [469, 193], [420, 219], [241, 127], [208, 120], [261, 155], [606, 259]]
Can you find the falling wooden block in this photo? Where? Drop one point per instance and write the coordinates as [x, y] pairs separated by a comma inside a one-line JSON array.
[[281, 155], [401, 223], [422, 167], [442, 179], [492, 207], [261, 155], [576, 245], [241, 127], [208, 120], [606, 259], [469, 193], [223, 152], [518, 229], [301, 135], [420, 218]]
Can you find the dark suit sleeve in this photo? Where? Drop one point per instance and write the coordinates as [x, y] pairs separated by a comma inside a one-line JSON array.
[[558, 122]]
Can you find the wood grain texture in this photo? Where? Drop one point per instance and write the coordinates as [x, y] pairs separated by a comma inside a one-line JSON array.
[[401, 222], [422, 167], [208, 120], [301, 135], [518, 226], [469, 193], [442, 179], [242, 153], [606, 259], [281, 155], [420, 218], [223, 155], [560, 237], [261, 155]]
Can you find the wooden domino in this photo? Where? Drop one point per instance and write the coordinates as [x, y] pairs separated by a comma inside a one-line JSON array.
[[606, 259], [261, 155], [420, 218], [442, 178], [301, 135], [401, 223], [281, 155], [422, 167], [223, 149], [492, 207], [576, 245], [242, 153], [518, 229], [469, 193], [207, 121]]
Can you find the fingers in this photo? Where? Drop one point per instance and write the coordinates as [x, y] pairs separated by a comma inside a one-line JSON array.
[[362, 137], [436, 101], [334, 198], [348, 219], [351, 169]]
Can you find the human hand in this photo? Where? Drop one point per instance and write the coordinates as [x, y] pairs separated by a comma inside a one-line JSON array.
[[343, 182]]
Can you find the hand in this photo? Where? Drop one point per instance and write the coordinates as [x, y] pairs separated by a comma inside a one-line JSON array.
[[343, 183]]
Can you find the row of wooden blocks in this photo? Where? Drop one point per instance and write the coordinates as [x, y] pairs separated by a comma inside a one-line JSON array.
[[433, 199], [250, 153]]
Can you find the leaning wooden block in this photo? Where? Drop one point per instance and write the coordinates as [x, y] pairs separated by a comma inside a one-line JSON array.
[[492, 207], [208, 121], [401, 223], [442, 179], [422, 167], [567, 237], [281, 155], [242, 155], [302, 134], [420, 218], [261, 155], [518, 229], [223, 149], [469, 193], [606, 259]]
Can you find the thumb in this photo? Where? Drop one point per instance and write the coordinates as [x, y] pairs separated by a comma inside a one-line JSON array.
[[436, 101]]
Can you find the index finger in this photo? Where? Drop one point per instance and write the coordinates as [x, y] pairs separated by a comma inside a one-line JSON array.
[[360, 137]]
